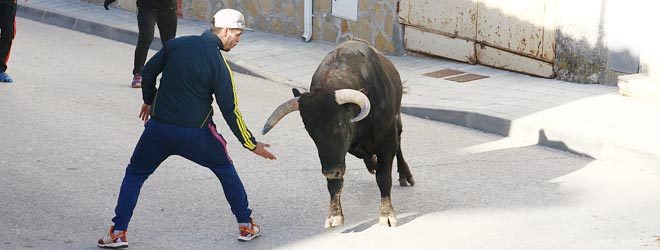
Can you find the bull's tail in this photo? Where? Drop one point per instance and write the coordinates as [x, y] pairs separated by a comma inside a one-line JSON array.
[[405, 176]]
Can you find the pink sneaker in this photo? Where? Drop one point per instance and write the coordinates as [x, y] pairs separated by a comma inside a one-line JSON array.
[[113, 240], [137, 81]]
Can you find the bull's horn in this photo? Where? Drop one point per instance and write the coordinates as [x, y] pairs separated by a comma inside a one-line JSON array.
[[343, 96], [281, 111]]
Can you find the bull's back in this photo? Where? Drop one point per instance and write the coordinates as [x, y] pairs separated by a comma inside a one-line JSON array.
[[356, 65]]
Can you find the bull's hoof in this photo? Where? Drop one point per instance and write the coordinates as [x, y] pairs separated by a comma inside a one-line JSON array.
[[405, 181], [387, 217], [334, 221], [387, 220]]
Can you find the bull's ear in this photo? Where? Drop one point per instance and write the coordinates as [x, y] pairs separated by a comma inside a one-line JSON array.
[[296, 92]]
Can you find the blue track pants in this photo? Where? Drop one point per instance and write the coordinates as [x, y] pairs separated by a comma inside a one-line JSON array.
[[203, 146]]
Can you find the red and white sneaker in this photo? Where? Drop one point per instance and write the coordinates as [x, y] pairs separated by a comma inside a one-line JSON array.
[[137, 81], [248, 233], [113, 240]]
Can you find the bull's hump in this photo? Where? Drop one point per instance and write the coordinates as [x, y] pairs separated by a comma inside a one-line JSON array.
[[353, 48], [343, 76], [347, 66]]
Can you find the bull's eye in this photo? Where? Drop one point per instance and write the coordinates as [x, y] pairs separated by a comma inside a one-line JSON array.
[[337, 127]]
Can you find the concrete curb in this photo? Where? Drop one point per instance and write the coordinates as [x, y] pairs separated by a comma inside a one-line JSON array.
[[473, 120], [80, 25]]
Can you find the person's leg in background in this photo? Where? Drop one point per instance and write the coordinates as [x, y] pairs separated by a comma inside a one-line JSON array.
[[146, 22], [7, 34], [167, 24]]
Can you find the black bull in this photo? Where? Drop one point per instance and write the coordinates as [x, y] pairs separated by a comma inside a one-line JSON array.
[[353, 106]]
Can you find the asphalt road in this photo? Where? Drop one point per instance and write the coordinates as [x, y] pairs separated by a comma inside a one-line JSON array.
[[69, 123]]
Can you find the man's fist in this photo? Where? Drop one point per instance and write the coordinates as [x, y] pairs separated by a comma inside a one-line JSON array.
[[108, 2]]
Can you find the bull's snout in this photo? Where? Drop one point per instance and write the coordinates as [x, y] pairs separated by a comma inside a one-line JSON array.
[[333, 174]]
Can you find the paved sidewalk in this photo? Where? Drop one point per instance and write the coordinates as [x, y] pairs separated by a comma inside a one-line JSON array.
[[591, 120]]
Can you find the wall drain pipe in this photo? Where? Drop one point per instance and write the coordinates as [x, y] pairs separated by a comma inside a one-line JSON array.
[[307, 35]]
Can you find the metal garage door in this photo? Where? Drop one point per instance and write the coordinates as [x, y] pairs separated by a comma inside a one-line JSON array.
[[518, 35]]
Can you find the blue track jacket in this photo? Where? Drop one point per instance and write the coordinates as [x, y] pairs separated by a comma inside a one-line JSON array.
[[193, 70]]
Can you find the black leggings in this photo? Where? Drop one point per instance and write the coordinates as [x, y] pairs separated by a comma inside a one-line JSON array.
[[8, 27], [147, 18]]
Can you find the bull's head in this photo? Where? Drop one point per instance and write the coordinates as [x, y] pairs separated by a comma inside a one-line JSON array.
[[330, 119]]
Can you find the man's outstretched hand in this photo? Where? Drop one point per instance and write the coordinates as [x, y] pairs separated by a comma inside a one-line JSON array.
[[263, 152], [108, 2], [145, 112]]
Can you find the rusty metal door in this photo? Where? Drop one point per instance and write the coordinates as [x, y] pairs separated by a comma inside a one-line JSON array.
[[517, 35]]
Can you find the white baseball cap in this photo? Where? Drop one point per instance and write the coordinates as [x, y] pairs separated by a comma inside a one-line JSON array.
[[229, 18]]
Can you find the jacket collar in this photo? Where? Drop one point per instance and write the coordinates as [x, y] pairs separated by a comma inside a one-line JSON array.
[[208, 35]]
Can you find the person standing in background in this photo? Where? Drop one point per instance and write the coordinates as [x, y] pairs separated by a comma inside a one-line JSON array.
[[7, 34], [150, 13]]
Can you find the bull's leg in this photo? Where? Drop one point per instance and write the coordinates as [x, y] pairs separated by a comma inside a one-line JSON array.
[[335, 214], [405, 177], [384, 180], [371, 163]]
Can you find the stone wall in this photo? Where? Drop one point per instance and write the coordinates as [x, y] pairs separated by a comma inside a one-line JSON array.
[[283, 17], [377, 21]]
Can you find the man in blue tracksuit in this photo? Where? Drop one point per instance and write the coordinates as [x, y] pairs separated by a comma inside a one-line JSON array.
[[193, 70]]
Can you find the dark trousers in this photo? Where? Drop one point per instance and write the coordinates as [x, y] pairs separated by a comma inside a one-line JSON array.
[[7, 32], [147, 18], [203, 146]]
